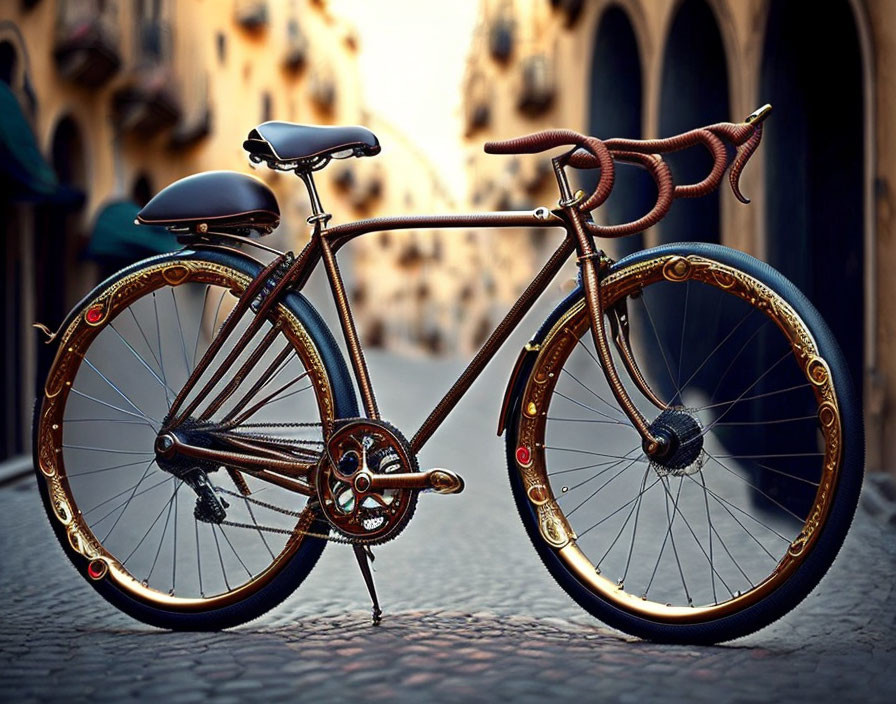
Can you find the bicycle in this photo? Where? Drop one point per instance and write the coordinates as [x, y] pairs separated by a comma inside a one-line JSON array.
[[683, 442]]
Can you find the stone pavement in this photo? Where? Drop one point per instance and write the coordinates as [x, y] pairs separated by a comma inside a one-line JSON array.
[[471, 614]]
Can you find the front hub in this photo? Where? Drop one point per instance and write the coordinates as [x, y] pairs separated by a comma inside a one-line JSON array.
[[681, 435]]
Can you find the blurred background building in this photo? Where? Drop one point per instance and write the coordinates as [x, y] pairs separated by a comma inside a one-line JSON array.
[[821, 184], [104, 103]]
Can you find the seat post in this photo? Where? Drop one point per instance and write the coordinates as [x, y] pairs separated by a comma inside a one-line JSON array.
[[318, 214]]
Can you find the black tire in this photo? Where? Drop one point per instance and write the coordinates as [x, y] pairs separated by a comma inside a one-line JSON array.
[[312, 348], [815, 542]]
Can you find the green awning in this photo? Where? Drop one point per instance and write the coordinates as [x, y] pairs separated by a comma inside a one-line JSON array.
[[117, 239], [23, 168]]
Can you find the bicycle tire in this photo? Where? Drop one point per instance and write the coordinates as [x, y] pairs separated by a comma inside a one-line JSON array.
[[99, 348], [807, 550]]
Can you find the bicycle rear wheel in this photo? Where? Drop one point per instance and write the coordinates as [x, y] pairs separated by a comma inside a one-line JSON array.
[[130, 527], [742, 520]]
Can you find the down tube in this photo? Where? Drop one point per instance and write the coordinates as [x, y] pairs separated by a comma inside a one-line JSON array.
[[494, 342]]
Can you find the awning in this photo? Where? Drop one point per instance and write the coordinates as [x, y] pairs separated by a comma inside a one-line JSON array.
[[116, 239], [26, 174]]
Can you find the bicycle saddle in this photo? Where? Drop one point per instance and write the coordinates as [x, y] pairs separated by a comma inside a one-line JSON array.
[[222, 200], [287, 141]]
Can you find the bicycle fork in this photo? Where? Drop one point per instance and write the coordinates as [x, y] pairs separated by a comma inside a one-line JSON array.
[[592, 262]]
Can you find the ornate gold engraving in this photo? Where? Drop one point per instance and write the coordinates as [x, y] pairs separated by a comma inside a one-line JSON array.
[[73, 343], [557, 346]]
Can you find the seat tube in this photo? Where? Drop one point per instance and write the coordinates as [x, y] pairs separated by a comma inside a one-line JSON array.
[[350, 333]]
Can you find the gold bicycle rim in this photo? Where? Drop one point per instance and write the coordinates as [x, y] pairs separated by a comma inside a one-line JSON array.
[[553, 353], [99, 563]]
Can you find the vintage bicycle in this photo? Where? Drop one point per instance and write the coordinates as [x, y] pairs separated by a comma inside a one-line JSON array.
[[683, 442]]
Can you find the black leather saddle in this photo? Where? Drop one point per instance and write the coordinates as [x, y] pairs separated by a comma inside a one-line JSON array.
[[287, 141], [224, 201]]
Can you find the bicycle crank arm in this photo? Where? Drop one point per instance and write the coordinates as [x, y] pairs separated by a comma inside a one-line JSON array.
[[442, 481]]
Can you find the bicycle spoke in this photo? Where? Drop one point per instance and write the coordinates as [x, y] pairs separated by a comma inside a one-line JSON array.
[[119, 494], [142, 361], [103, 469], [224, 535], [756, 488], [731, 364], [589, 408], [712, 574], [724, 503], [753, 398], [198, 557], [220, 557], [590, 390], [166, 505], [146, 420], [106, 449], [116, 389], [602, 486], [717, 347], [635, 503], [696, 540], [161, 359], [662, 350], [183, 341], [684, 324], [128, 502], [621, 508]]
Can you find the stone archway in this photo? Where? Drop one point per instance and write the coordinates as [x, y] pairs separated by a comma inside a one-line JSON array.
[[814, 165], [615, 110], [693, 92]]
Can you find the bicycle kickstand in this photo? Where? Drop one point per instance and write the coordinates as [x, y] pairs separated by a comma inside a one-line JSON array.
[[364, 555]]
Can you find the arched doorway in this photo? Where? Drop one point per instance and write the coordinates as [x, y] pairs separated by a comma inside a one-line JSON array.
[[615, 110], [814, 146], [8, 63], [694, 92]]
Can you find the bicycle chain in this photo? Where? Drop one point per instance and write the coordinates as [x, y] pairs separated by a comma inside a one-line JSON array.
[[341, 539], [283, 531]]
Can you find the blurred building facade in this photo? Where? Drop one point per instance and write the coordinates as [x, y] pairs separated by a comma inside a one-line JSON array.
[[105, 103], [822, 183]]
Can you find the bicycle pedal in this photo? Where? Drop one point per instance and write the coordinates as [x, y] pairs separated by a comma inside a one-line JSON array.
[[444, 481]]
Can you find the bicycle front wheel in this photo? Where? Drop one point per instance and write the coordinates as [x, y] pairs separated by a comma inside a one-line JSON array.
[[743, 517], [133, 528]]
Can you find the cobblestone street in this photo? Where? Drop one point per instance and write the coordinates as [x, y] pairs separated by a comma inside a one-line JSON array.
[[470, 612]]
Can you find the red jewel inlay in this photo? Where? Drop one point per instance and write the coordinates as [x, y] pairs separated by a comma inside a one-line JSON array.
[[96, 569], [522, 454], [95, 314]]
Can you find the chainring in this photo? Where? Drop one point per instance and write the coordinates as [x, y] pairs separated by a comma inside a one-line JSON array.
[[370, 517]]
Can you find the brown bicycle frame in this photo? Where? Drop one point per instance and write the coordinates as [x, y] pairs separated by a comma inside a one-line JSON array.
[[323, 245], [571, 216]]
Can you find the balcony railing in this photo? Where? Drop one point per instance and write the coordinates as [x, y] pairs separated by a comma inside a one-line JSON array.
[[149, 101], [86, 42]]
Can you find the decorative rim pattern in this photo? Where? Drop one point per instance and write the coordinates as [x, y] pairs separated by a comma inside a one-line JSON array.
[[74, 343], [554, 351]]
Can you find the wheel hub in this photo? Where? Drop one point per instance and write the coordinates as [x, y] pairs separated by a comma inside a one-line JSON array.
[[682, 436]]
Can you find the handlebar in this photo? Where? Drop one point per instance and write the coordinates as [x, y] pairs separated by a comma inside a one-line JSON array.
[[593, 153]]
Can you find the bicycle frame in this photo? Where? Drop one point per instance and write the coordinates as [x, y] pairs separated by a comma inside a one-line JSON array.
[[323, 245], [285, 274]]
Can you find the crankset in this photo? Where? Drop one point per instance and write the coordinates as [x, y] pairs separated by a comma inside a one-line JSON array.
[[368, 480]]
